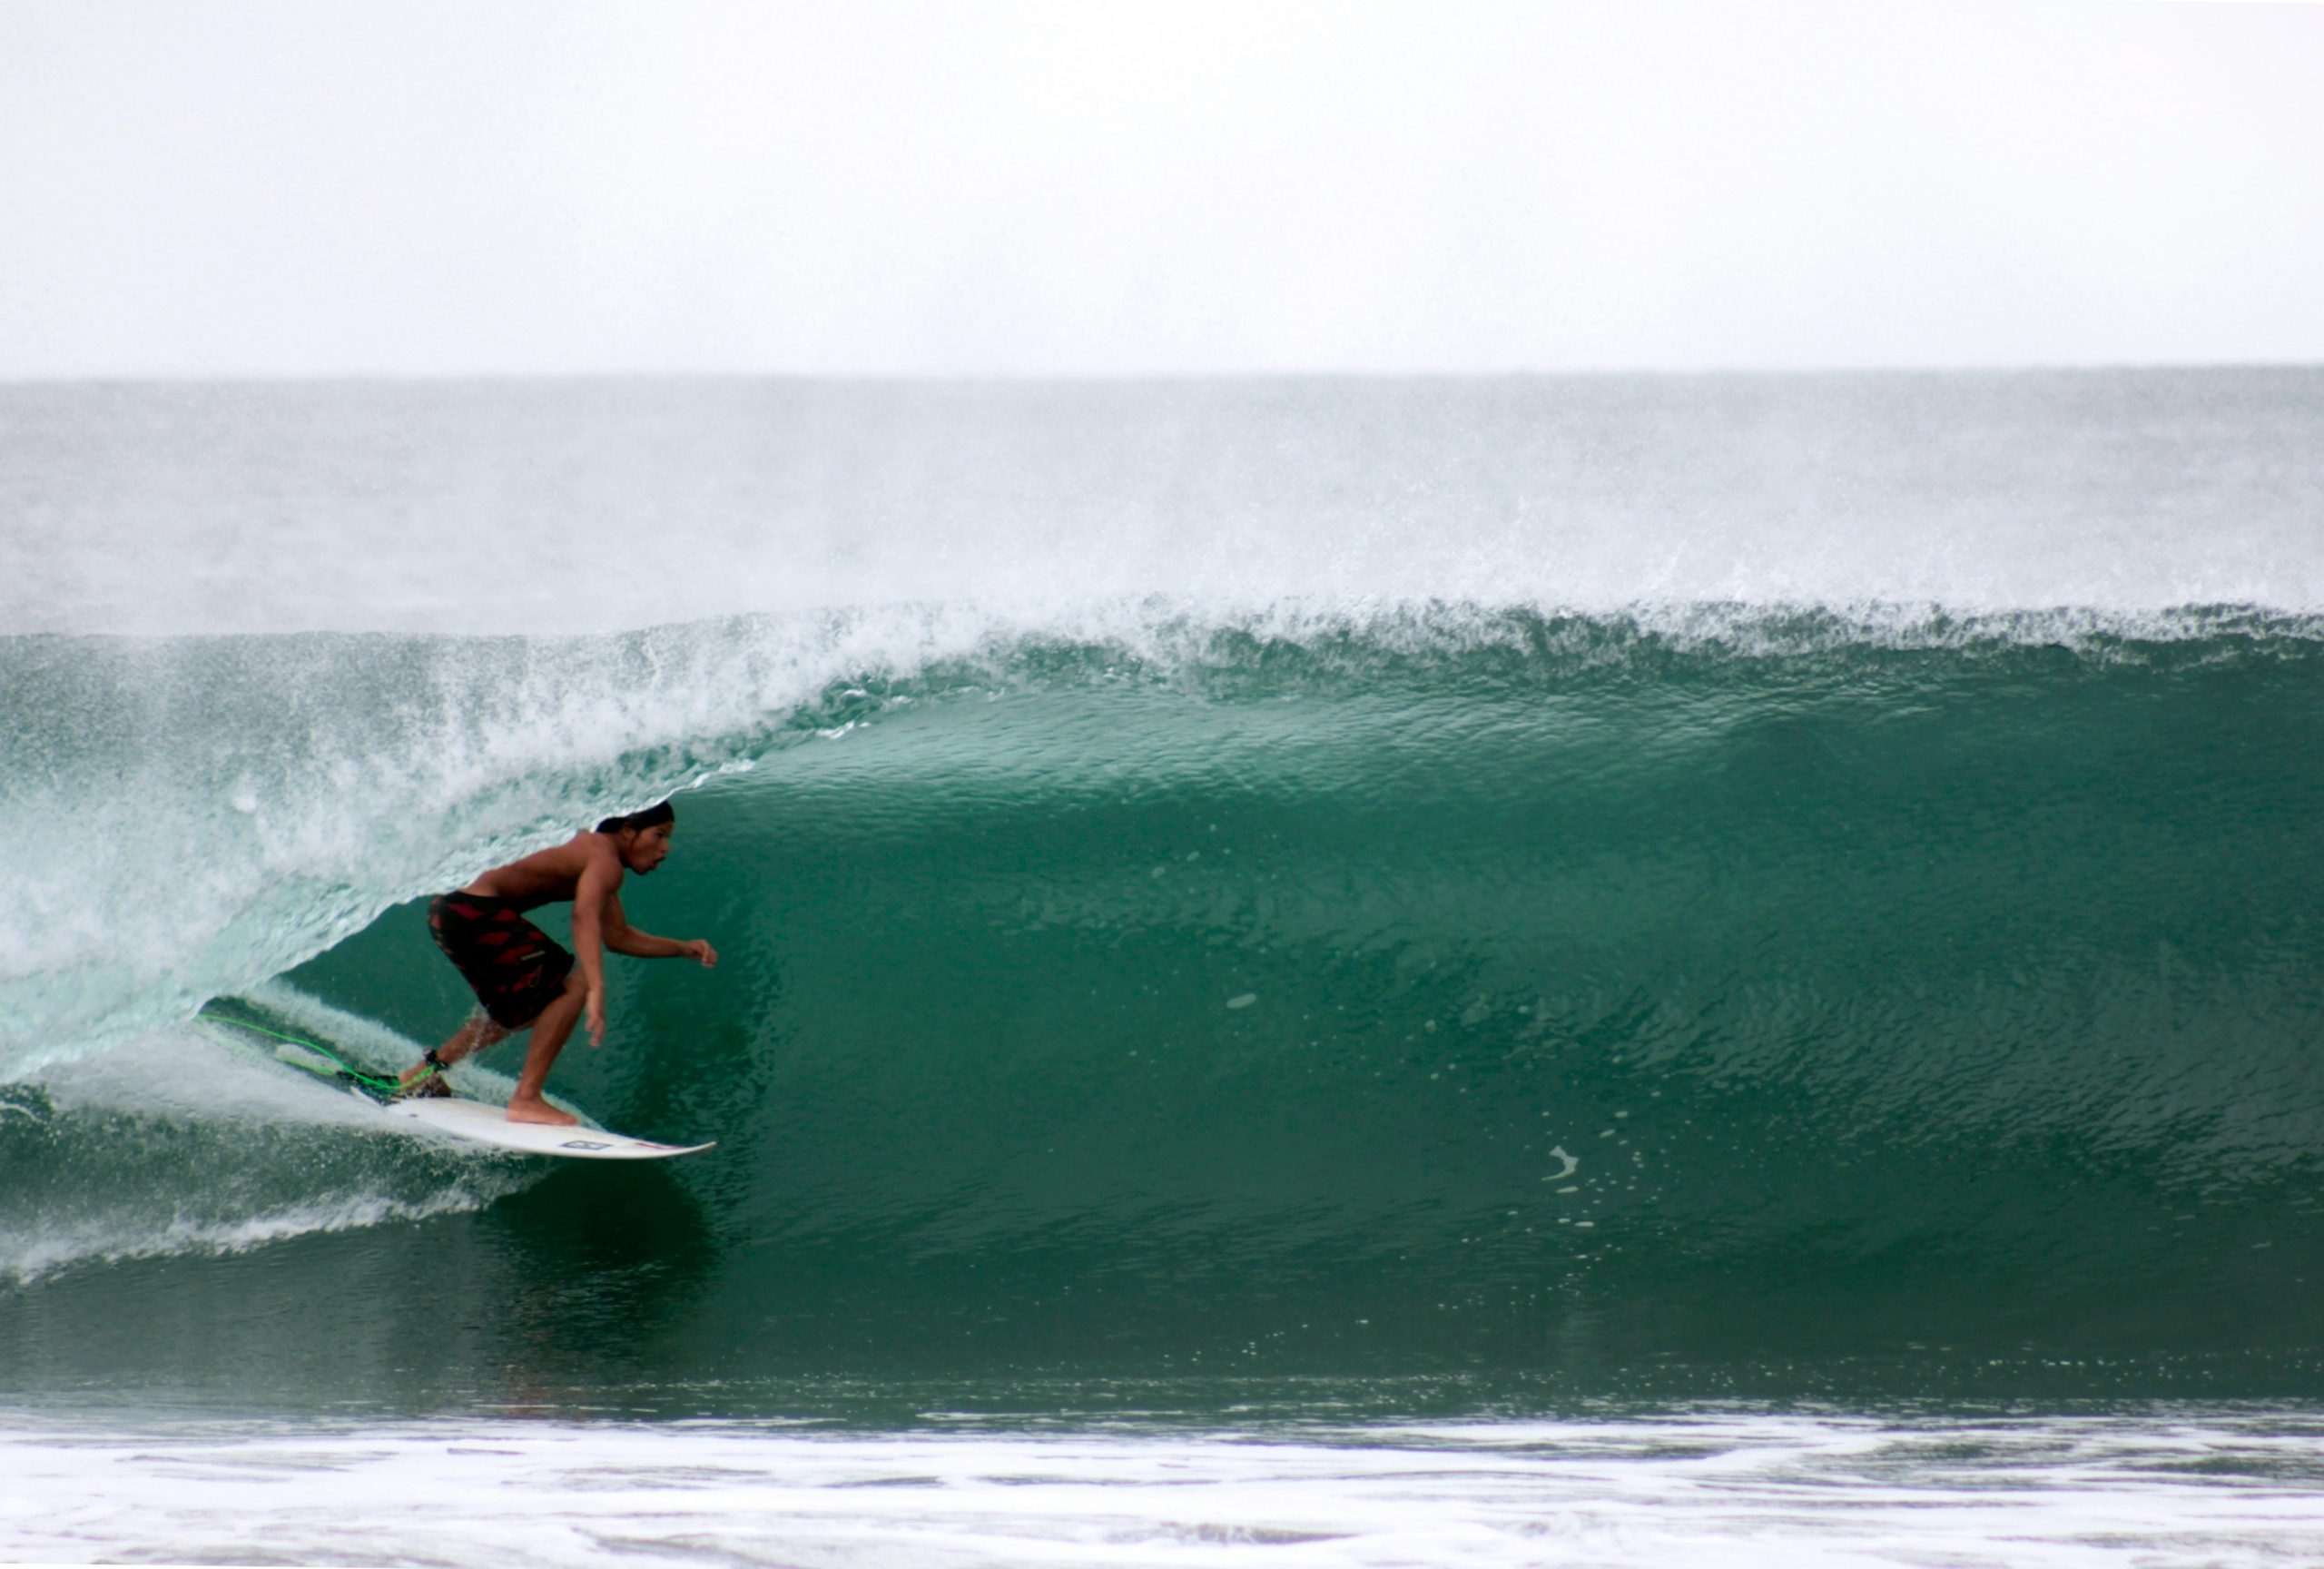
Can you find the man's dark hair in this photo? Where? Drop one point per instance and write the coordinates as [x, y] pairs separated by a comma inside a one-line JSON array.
[[660, 812]]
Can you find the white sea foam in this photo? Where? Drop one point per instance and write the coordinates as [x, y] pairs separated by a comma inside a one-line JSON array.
[[1736, 1489], [29, 1256], [209, 1148]]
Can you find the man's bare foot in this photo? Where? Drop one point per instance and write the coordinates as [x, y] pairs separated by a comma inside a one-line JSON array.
[[535, 1110]]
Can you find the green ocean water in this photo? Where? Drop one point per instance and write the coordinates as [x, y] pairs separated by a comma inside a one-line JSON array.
[[1468, 1007], [1241, 902]]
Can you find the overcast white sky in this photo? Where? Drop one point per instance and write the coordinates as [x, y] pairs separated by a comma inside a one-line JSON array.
[[225, 187]]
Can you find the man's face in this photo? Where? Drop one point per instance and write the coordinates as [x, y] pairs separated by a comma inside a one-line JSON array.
[[643, 849]]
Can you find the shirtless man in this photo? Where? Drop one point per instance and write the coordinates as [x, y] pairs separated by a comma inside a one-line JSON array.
[[520, 976]]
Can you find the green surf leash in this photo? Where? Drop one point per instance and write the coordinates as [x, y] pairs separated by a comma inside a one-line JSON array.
[[370, 1082]]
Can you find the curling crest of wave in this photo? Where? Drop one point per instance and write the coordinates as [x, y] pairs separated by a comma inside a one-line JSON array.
[[1175, 640]]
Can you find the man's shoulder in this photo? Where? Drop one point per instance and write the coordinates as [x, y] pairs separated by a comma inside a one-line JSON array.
[[571, 859], [593, 852]]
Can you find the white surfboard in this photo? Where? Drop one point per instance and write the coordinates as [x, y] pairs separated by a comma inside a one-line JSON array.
[[478, 1121], [482, 1122]]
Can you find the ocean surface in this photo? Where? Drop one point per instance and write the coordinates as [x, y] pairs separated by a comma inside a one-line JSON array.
[[1615, 970]]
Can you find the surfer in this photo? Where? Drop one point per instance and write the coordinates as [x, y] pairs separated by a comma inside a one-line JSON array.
[[522, 978]]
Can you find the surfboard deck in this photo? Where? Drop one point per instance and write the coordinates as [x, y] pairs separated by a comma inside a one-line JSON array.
[[485, 1123]]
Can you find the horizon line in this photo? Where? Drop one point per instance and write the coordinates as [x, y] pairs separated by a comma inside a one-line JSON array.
[[1061, 377]]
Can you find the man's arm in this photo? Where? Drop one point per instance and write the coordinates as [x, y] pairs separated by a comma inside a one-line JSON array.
[[593, 899], [623, 938]]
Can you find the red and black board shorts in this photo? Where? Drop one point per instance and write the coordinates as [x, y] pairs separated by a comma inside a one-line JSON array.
[[514, 967]]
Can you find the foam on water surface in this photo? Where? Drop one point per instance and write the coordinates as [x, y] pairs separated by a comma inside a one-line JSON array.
[[2166, 1492]]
